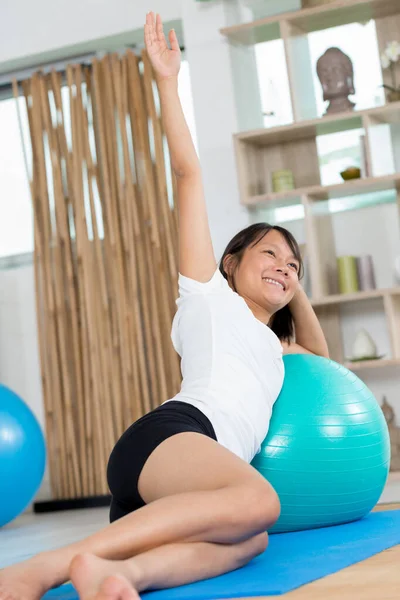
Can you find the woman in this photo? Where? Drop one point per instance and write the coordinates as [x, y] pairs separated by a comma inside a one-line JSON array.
[[187, 505]]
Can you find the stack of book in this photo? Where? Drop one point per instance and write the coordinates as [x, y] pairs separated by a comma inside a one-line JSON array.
[[355, 273]]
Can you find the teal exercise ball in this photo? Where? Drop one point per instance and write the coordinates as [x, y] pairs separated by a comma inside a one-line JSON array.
[[327, 451], [22, 455]]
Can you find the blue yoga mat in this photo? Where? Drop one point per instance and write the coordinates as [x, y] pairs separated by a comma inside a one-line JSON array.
[[291, 560]]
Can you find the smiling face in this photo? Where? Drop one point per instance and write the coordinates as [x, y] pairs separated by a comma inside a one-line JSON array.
[[267, 276]]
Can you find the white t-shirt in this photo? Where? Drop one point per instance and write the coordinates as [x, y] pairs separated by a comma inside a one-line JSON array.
[[231, 362]]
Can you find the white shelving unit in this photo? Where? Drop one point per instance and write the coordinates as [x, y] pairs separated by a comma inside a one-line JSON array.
[[294, 146]]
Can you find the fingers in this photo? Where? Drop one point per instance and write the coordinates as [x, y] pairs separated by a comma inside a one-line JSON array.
[[147, 37], [150, 34], [173, 40], [154, 32], [160, 31], [149, 31]]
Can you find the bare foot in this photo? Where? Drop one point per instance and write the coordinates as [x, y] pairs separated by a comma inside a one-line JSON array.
[[116, 587], [101, 579], [22, 582]]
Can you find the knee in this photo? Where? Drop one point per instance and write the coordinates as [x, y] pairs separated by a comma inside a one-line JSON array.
[[252, 547], [261, 507], [260, 542]]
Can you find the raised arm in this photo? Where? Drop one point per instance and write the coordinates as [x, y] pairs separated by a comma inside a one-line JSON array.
[[196, 254]]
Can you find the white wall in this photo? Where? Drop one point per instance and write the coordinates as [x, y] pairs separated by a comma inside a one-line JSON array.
[[29, 28], [19, 358], [19, 351]]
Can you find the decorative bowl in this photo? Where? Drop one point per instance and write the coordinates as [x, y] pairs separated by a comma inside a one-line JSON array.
[[351, 173]]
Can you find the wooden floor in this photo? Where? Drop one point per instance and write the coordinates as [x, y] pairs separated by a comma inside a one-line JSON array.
[[377, 578]]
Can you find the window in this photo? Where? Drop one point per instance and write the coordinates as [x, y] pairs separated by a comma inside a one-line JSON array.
[[16, 214]]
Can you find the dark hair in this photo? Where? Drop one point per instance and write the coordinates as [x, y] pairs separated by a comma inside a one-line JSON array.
[[282, 321]]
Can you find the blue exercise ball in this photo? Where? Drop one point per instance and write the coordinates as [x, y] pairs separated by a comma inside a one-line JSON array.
[[22, 455], [327, 451]]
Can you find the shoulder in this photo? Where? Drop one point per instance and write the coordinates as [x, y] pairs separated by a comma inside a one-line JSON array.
[[189, 286]]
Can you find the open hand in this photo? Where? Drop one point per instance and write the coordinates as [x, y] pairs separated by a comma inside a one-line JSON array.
[[166, 62]]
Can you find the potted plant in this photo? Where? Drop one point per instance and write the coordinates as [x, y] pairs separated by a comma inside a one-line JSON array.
[[389, 59]]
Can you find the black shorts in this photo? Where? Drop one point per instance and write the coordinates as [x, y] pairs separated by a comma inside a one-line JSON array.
[[137, 443]]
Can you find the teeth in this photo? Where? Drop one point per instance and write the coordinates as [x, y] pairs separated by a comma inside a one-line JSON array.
[[273, 281]]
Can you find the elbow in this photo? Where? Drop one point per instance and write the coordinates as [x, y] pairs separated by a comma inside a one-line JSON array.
[[184, 171], [319, 353], [324, 352], [179, 172]]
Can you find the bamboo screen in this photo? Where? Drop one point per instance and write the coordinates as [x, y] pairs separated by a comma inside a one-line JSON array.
[[105, 259]]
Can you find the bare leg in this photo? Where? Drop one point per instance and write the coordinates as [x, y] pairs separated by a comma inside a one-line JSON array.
[[235, 504], [117, 587], [216, 516], [167, 566]]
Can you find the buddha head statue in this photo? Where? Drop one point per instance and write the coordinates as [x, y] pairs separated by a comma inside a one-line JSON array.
[[335, 72]]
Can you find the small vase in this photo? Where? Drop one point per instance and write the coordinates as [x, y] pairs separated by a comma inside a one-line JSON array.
[[393, 96], [363, 346]]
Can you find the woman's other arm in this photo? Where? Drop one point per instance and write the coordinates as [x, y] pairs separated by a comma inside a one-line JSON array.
[[310, 338]]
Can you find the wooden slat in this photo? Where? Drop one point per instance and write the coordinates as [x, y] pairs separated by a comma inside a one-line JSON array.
[[40, 300], [67, 374], [150, 236], [332, 123], [355, 296], [134, 404], [317, 18], [71, 293], [111, 194], [51, 349], [373, 364], [353, 187], [84, 273]]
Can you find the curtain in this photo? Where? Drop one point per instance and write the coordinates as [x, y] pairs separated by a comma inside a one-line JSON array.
[[105, 259]]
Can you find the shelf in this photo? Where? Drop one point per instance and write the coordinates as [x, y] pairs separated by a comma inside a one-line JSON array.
[[372, 364], [388, 113], [341, 12], [394, 477], [326, 192], [355, 297]]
